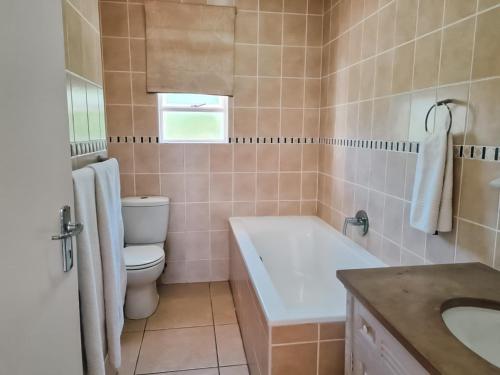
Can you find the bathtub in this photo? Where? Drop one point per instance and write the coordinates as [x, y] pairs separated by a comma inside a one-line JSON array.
[[290, 305]]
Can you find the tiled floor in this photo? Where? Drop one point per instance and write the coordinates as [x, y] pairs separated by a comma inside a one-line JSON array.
[[194, 331]]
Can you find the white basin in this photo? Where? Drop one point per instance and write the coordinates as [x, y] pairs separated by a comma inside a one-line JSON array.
[[478, 329]]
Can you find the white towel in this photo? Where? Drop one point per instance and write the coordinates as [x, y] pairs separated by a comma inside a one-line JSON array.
[[89, 273], [431, 206], [110, 226]]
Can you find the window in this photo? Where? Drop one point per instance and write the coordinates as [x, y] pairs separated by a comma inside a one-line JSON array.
[[193, 118]]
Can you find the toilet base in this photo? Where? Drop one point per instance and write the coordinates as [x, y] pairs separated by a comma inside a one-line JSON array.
[[141, 301]]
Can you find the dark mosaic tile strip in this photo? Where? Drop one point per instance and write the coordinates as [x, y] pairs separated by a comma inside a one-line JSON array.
[[232, 140], [486, 153]]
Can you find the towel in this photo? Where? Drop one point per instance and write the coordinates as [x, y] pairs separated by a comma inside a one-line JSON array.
[[89, 273], [110, 226], [431, 206]]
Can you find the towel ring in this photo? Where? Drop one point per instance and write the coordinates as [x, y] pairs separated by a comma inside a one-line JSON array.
[[437, 104]]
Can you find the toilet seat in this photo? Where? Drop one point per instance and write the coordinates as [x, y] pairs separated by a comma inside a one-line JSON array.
[[142, 257]]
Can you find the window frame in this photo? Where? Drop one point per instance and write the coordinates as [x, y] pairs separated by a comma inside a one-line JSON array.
[[164, 109]]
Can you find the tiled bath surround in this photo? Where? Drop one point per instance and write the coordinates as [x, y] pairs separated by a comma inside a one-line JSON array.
[[306, 349], [384, 64], [277, 94]]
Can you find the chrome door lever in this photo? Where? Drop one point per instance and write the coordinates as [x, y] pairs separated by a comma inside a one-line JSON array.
[[68, 230]]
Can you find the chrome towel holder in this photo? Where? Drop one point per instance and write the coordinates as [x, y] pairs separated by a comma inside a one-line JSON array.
[[444, 102]]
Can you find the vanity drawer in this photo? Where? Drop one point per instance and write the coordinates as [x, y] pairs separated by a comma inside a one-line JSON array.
[[389, 356]]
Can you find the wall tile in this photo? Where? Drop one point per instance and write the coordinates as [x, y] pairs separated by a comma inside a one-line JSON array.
[[474, 243], [487, 51], [457, 52], [427, 61]]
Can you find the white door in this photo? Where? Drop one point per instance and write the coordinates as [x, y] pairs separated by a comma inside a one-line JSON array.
[[39, 312]]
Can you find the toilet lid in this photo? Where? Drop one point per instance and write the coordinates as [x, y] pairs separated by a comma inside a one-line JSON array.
[[142, 256]]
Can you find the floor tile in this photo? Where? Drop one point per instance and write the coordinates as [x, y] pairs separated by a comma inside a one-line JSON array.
[[182, 305], [229, 345], [134, 325], [177, 349], [130, 345], [204, 371], [222, 303], [234, 370]]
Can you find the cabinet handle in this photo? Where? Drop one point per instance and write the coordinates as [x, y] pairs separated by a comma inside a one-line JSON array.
[[368, 331]]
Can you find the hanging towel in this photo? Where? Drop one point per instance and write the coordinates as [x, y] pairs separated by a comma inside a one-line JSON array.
[[110, 226], [90, 285], [431, 206]]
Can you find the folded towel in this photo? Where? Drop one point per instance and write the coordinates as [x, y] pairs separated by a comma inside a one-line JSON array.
[[110, 226], [431, 206], [90, 285]]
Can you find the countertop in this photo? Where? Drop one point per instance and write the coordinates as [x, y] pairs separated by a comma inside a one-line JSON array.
[[408, 301]]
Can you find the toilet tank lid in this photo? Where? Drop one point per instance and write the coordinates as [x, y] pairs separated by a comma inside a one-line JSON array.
[[145, 201]]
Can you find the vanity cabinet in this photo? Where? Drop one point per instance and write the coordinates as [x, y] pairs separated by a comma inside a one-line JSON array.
[[371, 349]]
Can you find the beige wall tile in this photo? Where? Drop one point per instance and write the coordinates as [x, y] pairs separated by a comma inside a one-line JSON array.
[[458, 9], [146, 158], [406, 21], [124, 153], [245, 122], [171, 158], [137, 20], [479, 201], [114, 19], [138, 55], [117, 88], [386, 27], [403, 68], [147, 184], [293, 61], [332, 331], [474, 243], [270, 61], [299, 359], [294, 333], [271, 5], [430, 16], [270, 26], [145, 121], [246, 27], [294, 29], [119, 120], [427, 61], [457, 52], [295, 6], [487, 52], [485, 4], [116, 53], [331, 358], [484, 111], [245, 60]]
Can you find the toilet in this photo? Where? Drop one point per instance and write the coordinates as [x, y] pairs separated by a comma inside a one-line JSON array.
[[145, 222]]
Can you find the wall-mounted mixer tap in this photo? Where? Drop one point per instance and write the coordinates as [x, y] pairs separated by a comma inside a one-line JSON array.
[[361, 219]]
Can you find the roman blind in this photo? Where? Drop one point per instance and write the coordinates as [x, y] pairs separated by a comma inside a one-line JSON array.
[[189, 48]]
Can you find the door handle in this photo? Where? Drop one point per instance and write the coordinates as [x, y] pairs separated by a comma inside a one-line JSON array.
[[68, 230]]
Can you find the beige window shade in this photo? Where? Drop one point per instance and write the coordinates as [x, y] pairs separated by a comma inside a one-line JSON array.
[[189, 48]]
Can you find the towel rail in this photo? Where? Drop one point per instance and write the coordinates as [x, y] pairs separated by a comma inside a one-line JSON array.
[[444, 102]]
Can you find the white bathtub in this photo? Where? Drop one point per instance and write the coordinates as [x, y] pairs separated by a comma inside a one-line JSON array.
[[292, 262]]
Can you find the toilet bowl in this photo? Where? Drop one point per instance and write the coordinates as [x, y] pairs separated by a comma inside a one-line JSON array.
[[145, 221], [144, 266]]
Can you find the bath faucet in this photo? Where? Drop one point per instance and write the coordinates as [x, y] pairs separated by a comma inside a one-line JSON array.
[[361, 219]]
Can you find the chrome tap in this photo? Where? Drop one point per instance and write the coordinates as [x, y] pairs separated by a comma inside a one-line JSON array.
[[361, 219]]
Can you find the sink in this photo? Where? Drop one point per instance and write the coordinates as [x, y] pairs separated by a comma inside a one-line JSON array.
[[478, 328]]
